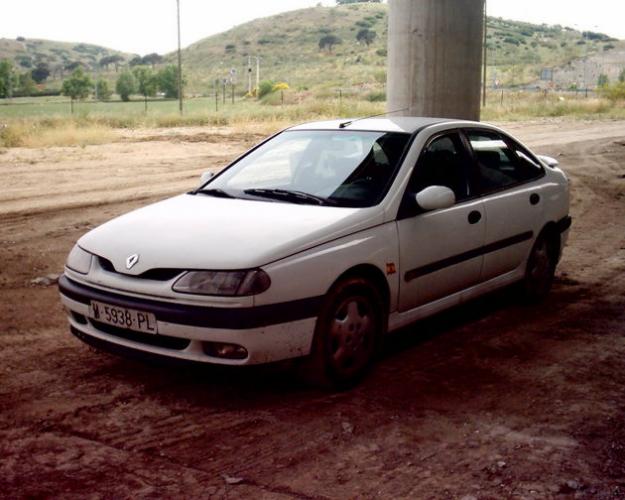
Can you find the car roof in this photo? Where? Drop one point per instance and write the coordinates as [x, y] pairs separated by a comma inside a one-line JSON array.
[[406, 124]]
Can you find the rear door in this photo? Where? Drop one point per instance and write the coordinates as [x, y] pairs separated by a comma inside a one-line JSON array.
[[437, 248], [513, 194]]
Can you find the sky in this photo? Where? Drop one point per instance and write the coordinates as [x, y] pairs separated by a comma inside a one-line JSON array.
[[144, 26]]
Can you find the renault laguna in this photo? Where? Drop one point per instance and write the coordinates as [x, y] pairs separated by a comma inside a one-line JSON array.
[[320, 240]]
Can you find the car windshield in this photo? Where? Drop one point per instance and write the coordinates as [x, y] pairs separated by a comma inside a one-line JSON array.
[[339, 168]]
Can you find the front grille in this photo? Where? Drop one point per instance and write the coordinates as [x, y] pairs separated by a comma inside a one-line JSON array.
[[158, 274], [164, 341]]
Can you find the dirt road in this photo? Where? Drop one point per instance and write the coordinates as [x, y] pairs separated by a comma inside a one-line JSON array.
[[492, 400]]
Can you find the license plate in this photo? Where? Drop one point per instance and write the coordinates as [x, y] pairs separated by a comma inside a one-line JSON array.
[[123, 317]]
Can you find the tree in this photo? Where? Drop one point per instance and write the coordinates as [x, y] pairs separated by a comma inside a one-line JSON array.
[[147, 83], [102, 90], [116, 60], [24, 61], [26, 84], [7, 78], [77, 86], [621, 76], [152, 59], [603, 80], [366, 35], [168, 81], [136, 61], [73, 65], [126, 85], [41, 72], [329, 41]]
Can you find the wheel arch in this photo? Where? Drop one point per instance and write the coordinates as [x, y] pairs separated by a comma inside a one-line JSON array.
[[552, 233], [374, 275]]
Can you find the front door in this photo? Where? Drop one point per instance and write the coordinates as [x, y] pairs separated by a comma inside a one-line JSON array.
[[439, 250]]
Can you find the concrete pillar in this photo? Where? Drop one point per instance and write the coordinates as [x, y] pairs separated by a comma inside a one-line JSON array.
[[435, 57]]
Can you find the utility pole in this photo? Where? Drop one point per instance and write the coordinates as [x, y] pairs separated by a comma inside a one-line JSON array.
[[484, 56], [257, 72], [179, 60], [249, 75], [216, 94], [233, 73], [95, 77]]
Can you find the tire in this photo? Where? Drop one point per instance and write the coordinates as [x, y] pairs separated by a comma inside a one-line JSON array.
[[348, 334], [541, 267]]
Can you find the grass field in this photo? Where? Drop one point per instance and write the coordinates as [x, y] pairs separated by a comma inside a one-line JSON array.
[[40, 122]]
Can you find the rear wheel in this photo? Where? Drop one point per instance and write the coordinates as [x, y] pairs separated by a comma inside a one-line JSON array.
[[541, 267], [347, 334]]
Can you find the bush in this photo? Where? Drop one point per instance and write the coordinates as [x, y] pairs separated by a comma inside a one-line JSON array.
[[512, 41], [380, 76], [280, 86], [265, 87], [329, 41], [615, 92], [381, 52], [379, 96]]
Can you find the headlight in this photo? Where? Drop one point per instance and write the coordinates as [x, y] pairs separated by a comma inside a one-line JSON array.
[[78, 260], [228, 283]]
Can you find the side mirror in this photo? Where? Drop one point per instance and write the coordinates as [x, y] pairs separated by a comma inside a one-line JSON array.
[[435, 198], [549, 161], [206, 176]]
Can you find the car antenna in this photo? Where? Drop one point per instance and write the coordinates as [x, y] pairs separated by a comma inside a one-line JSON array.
[[347, 124]]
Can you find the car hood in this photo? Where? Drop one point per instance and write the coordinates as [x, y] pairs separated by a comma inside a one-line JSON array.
[[204, 232]]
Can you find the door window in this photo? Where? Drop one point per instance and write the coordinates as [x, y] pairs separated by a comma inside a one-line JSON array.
[[501, 164], [442, 163]]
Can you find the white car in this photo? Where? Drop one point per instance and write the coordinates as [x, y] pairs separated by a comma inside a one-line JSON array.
[[318, 242]]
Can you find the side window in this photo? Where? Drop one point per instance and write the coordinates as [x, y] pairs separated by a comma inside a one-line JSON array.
[[442, 163], [499, 163]]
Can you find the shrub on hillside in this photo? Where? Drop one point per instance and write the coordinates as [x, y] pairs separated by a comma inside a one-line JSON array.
[[265, 87]]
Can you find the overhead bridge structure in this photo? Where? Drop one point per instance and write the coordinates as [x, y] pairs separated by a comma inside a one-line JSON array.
[[435, 57]]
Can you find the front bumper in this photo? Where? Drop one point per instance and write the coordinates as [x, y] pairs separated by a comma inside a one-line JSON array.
[[268, 333]]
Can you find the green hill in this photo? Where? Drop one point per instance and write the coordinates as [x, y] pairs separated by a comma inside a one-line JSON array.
[[288, 45], [61, 57], [291, 49]]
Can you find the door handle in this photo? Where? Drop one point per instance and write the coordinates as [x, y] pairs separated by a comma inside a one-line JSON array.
[[534, 198], [474, 217]]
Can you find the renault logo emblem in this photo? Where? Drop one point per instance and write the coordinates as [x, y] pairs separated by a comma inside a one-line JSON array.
[[131, 260]]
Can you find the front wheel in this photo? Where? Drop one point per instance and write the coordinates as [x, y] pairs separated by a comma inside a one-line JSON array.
[[540, 270], [347, 334]]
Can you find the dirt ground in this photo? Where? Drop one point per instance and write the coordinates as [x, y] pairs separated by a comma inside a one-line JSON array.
[[491, 400]]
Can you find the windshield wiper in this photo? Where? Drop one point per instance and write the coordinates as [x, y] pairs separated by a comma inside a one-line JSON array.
[[288, 195], [218, 193]]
